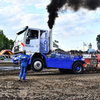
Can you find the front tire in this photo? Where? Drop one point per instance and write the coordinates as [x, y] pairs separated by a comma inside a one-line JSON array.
[[78, 68], [37, 65]]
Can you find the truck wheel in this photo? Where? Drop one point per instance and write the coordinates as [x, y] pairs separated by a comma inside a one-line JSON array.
[[37, 65], [78, 68]]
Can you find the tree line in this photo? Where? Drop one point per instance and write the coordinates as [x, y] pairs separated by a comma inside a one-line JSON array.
[[98, 41], [5, 43]]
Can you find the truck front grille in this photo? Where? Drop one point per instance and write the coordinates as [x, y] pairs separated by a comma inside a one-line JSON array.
[[16, 49]]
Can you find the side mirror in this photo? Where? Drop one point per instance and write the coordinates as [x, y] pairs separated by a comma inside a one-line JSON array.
[[27, 40]]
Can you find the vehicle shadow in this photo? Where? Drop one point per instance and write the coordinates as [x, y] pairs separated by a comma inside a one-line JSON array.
[[57, 73]]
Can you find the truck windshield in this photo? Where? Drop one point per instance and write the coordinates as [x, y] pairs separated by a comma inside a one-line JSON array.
[[20, 37]]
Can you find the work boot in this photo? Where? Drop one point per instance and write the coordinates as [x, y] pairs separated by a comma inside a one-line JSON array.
[[19, 80], [24, 80]]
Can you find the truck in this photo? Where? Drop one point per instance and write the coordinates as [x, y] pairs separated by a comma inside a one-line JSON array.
[[39, 42]]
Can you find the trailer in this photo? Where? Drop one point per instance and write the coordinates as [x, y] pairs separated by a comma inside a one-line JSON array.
[[39, 42]]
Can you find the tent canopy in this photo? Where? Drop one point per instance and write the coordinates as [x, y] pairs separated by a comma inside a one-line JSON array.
[[9, 52]]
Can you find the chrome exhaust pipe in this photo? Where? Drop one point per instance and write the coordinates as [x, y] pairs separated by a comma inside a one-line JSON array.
[[50, 41]]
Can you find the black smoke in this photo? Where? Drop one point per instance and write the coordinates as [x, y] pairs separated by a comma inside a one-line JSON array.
[[56, 5]]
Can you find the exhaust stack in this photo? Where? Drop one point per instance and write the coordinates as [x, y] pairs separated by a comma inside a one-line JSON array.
[[50, 41]]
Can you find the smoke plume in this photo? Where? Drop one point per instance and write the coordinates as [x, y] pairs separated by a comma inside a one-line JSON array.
[[56, 5]]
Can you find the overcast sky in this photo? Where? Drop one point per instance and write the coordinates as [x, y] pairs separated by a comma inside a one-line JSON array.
[[71, 28]]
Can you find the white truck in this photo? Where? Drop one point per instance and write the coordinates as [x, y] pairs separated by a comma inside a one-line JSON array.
[[39, 42]]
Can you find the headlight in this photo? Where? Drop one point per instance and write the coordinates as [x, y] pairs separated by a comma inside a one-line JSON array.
[[19, 56], [15, 59]]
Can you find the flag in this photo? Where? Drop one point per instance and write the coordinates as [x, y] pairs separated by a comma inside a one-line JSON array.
[[56, 41], [22, 44], [26, 47], [55, 45], [84, 44]]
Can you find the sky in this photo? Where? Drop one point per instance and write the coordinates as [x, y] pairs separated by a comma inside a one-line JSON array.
[[71, 28]]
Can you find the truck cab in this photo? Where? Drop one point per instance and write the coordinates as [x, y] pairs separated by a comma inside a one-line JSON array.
[[35, 40]]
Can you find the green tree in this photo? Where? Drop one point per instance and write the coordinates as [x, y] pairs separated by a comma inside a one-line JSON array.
[[98, 41], [1, 39], [5, 43], [11, 43]]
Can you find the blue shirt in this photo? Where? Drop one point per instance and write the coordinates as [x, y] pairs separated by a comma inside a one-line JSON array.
[[24, 60]]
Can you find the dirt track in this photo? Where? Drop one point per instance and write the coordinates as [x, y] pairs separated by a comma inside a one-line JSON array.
[[49, 85]]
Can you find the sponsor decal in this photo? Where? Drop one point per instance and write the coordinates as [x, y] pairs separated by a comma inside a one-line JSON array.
[[29, 45], [66, 56], [23, 57], [86, 55], [45, 35], [45, 45]]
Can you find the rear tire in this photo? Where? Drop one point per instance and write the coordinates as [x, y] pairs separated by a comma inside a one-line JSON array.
[[37, 64], [78, 68]]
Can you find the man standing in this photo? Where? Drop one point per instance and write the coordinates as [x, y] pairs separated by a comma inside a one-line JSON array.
[[23, 61]]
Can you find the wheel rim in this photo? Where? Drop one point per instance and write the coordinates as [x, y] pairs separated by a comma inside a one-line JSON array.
[[78, 68], [37, 65]]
